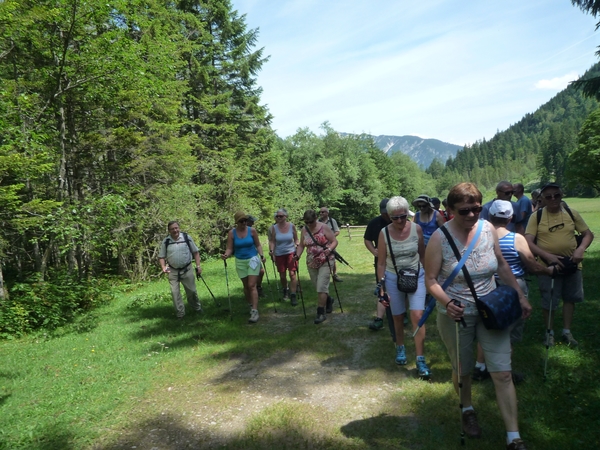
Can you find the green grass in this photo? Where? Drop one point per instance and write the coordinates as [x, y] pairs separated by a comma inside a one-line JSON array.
[[134, 376]]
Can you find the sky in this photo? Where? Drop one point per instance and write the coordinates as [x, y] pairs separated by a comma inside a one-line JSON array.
[[454, 70]]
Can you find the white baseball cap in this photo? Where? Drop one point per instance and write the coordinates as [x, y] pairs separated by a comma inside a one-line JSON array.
[[502, 209]]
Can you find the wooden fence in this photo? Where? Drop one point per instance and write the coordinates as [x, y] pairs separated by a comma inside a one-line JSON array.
[[353, 231]]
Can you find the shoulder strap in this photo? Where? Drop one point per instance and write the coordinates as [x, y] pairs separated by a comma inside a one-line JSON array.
[[389, 243], [463, 260], [539, 215], [570, 213], [313, 238], [187, 241]]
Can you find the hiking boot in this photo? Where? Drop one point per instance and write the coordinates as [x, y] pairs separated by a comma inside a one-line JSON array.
[[286, 294], [400, 355], [470, 425], [569, 339], [422, 368], [253, 316], [549, 340], [199, 310], [293, 299], [480, 375], [516, 444], [336, 278], [329, 306], [320, 319], [261, 293], [376, 325]]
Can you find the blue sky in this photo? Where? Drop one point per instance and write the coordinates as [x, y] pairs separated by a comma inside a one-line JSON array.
[[455, 70]]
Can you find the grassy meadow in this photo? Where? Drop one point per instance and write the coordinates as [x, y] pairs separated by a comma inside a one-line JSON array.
[[131, 376]]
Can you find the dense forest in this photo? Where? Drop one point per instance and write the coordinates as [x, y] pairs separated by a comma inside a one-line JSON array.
[[119, 116]]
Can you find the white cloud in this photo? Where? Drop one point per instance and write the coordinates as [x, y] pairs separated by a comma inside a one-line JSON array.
[[558, 83]]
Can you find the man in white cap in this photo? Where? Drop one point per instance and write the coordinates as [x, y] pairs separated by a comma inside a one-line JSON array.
[[516, 252]]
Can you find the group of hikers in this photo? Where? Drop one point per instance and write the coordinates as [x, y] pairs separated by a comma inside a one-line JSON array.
[[457, 256]]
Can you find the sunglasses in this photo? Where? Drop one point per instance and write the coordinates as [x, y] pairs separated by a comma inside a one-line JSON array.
[[279, 217], [242, 221], [560, 226], [553, 197], [400, 217], [466, 211], [309, 223]]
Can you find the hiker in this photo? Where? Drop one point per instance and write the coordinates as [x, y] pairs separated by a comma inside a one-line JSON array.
[[447, 215], [283, 239], [371, 239], [504, 191], [515, 251], [320, 242], [457, 303], [524, 206], [400, 247], [536, 201], [427, 216], [261, 293], [243, 242], [331, 223], [551, 236], [175, 257]]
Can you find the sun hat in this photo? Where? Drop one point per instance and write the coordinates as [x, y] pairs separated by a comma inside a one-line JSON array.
[[422, 199], [239, 215], [501, 209]]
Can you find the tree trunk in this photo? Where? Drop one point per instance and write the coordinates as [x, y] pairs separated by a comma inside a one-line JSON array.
[[3, 291]]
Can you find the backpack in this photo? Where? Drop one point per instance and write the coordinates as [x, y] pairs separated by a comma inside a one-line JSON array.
[[169, 241], [578, 236]]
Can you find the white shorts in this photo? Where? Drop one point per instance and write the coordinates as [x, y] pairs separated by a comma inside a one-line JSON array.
[[416, 300]]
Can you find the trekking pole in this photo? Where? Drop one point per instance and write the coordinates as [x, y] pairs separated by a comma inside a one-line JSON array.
[[270, 288], [200, 277], [299, 290], [335, 285], [279, 288], [459, 366], [228, 295], [548, 326]]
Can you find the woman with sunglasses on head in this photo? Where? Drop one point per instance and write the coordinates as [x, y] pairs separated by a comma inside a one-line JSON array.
[[320, 242], [243, 242], [427, 217], [283, 239], [456, 304], [405, 239]]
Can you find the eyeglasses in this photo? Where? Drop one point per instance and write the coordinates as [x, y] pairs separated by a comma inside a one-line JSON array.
[[560, 226], [279, 217], [508, 192], [322, 212], [553, 197], [400, 217], [466, 211]]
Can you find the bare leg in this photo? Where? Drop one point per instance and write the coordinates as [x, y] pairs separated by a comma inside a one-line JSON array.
[[250, 290], [293, 281], [568, 311], [322, 296], [283, 280], [506, 397], [466, 389], [415, 316], [399, 326]]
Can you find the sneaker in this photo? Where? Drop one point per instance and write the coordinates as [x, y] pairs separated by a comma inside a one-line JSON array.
[[320, 319], [293, 299], [422, 367], [329, 306], [516, 444], [569, 339], [470, 425], [400, 355], [337, 278], [286, 294], [376, 325], [253, 316], [549, 340], [480, 375]]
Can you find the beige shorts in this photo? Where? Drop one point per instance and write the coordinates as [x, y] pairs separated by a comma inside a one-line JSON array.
[[320, 278]]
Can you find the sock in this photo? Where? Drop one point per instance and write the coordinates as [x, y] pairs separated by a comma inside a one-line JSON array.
[[511, 436], [565, 331], [320, 310], [469, 408], [480, 366]]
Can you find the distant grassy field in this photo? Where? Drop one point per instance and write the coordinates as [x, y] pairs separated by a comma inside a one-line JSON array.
[[134, 377]]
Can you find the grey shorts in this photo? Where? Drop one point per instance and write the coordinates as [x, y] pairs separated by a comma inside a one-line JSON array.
[[569, 288], [495, 344]]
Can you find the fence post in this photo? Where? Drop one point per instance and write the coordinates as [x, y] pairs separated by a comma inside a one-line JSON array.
[[348, 228]]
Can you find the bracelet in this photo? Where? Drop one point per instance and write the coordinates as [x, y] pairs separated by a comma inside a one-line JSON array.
[[449, 301]]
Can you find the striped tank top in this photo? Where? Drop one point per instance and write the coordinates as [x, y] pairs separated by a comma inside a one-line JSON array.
[[509, 251]]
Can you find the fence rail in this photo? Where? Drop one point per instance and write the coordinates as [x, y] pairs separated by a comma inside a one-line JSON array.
[[354, 230]]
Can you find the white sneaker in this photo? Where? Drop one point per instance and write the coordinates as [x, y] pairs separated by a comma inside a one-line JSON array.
[[253, 316]]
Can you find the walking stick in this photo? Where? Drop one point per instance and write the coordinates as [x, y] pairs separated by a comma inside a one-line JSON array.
[[279, 288], [548, 326], [299, 291], [270, 288], [335, 285], [200, 277], [228, 295], [459, 365]]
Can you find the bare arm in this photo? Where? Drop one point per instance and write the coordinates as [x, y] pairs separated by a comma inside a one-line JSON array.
[[549, 258], [229, 249], [421, 249], [295, 235], [528, 259], [588, 237], [371, 247], [257, 244], [381, 257], [333, 243], [300, 247]]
